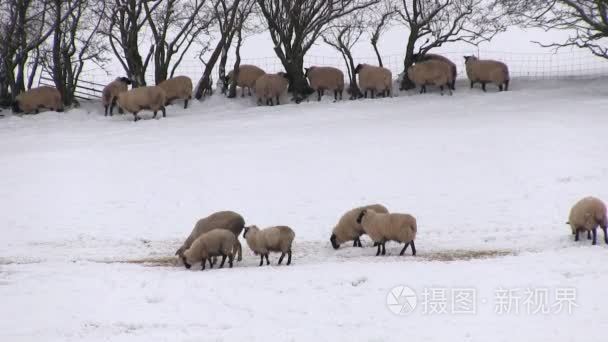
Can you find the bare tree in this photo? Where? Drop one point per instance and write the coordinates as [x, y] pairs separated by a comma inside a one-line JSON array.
[[296, 25], [432, 23], [343, 36], [241, 28], [381, 17], [586, 20], [124, 25], [175, 25]]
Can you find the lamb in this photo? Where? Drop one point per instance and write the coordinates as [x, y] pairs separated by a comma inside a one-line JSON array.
[[179, 87], [389, 227], [248, 74], [348, 229], [586, 215], [218, 242], [418, 57], [151, 98], [375, 79], [110, 93], [226, 220], [272, 239], [326, 78], [270, 86], [432, 72], [42, 97], [487, 71]]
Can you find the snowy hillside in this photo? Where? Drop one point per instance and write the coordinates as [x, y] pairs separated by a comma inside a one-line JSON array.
[[94, 207]]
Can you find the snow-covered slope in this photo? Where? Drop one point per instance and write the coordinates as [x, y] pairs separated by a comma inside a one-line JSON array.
[[490, 178]]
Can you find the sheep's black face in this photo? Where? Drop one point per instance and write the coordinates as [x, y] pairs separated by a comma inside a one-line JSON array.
[[126, 80], [306, 72], [360, 217], [16, 108], [416, 57], [186, 264], [467, 58], [333, 241], [358, 68], [245, 232]]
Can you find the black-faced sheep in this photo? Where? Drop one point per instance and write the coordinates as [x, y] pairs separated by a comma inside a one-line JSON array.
[[33, 100], [273, 239], [137, 99], [218, 242], [375, 79], [227, 220], [248, 74], [586, 215], [326, 78], [271, 86], [431, 56], [110, 93], [431, 72], [177, 88], [389, 227], [487, 71], [348, 229]]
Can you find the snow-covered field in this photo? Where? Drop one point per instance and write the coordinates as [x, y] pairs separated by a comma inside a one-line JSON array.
[[93, 209]]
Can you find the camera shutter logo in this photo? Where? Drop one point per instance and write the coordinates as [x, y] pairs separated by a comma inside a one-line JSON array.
[[401, 300]]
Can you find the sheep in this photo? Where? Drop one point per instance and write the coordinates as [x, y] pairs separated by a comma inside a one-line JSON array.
[[431, 72], [151, 98], [375, 79], [248, 74], [269, 86], [272, 239], [42, 97], [418, 57], [389, 227], [586, 215], [326, 78], [226, 220], [348, 229], [179, 87], [487, 71], [109, 95], [218, 242]]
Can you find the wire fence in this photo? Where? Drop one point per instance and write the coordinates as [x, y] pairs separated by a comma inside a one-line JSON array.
[[577, 63]]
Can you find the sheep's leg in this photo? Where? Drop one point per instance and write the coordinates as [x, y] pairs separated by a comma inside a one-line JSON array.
[[453, 84], [594, 236], [278, 102], [576, 234], [154, 116], [384, 248], [506, 85], [289, 257], [230, 259], [135, 118], [379, 248], [105, 110], [483, 86], [441, 88], [500, 87], [186, 103], [164, 111], [472, 84], [422, 90], [223, 260], [588, 235], [605, 235], [261, 259], [281, 258], [319, 95], [267, 261], [413, 247], [373, 93], [203, 264], [404, 248], [243, 92]]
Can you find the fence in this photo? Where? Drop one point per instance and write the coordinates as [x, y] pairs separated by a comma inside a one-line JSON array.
[[577, 63], [85, 90]]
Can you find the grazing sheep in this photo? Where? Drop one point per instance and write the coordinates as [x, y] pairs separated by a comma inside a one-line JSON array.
[[110, 93], [226, 220], [586, 215], [248, 74], [349, 229], [151, 98], [431, 72], [487, 71], [375, 79], [273, 239], [418, 57], [42, 97], [270, 86], [326, 78], [218, 242], [389, 227], [179, 87]]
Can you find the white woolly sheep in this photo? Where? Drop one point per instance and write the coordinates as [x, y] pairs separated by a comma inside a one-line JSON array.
[[227, 220], [375, 79], [389, 227], [33, 100], [109, 95], [218, 242], [271, 86], [431, 72], [326, 78], [431, 56], [273, 239], [586, 215], [151, 98], [248, 74], [487, 71], [177, 88], [348, 229]]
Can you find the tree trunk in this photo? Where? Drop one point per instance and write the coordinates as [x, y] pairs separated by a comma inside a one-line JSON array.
[[205, 85], [298, 85], [237, 64], [408, 61], [375, 45]]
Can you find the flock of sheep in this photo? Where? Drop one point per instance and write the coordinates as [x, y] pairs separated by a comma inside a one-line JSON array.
[[428, 70], [218, 234]]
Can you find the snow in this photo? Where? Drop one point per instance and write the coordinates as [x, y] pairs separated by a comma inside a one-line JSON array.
[[94, 207]]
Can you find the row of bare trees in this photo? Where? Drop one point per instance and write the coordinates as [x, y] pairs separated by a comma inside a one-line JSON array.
[[62, 36]]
